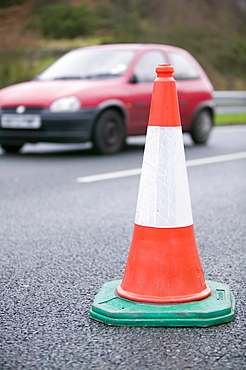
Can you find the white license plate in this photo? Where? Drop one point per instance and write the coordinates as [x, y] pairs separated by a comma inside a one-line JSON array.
[[32, 121]]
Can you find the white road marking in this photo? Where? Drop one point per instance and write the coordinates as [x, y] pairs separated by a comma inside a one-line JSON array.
[[137, 171], [110, 175], [215, 159]]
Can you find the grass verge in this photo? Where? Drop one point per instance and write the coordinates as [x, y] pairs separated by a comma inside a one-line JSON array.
[[230, 119]]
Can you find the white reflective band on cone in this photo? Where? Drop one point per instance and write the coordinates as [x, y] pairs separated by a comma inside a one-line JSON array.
[[164, 198]]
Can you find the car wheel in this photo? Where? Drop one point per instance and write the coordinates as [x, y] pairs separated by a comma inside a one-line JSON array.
[[12, 148], [109, 133], [201, 127]]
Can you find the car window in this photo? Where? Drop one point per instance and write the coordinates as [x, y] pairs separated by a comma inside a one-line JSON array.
[[183, 68], [146, 66], [89, 63]]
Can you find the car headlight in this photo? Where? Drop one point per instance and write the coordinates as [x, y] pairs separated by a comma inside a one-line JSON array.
[[67, 104]]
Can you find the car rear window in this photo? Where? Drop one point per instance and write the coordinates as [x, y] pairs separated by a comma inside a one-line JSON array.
[[145, 69], [183, 68]]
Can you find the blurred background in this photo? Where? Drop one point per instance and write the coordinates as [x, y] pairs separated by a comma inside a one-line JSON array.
[[34, 33]]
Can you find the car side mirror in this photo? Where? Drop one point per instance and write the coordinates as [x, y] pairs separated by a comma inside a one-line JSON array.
[[133, 79]]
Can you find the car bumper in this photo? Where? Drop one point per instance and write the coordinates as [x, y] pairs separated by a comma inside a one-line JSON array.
[[73, 127]]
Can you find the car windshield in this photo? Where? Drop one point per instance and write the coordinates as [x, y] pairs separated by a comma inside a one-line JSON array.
[[85, 64]]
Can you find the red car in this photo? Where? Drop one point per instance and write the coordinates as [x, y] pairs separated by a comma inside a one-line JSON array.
[[102, 94]]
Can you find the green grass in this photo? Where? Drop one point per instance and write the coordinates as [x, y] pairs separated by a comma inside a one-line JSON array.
[[229, 119]]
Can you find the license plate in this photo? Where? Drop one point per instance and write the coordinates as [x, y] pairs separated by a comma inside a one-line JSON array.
[[31, 121]]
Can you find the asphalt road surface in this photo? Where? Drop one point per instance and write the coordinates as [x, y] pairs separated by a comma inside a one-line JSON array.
[[64, 234]]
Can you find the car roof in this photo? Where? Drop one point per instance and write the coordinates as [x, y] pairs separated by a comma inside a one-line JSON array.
[[134, 46]]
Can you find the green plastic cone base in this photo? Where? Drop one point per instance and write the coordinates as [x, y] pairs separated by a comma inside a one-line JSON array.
[[217, 308]]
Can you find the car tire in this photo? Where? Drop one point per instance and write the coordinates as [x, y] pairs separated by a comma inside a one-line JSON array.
[[202, 126], [109, 133], [11, 148]]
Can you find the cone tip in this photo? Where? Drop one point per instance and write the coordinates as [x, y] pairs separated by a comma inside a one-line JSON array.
[[164, 70]]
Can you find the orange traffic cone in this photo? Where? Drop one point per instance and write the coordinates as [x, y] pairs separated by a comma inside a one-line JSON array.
[[163, 264], [163, 269]]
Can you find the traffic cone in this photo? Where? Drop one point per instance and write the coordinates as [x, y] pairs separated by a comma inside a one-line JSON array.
[[163, 283]]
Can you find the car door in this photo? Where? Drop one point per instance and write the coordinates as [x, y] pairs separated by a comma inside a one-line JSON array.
[[188, 83], [140, 90]]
